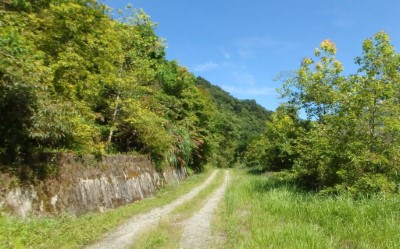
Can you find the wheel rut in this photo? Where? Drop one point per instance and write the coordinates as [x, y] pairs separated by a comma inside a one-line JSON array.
[[125, 235], [197, 229]]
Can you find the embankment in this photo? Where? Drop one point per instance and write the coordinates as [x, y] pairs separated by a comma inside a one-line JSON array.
[[81, 184]]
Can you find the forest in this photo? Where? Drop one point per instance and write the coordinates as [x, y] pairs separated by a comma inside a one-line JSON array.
[[321, 171], [76, 77]]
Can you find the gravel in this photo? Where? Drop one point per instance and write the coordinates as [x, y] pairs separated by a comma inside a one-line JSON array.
[[197, 229], [124, 235]]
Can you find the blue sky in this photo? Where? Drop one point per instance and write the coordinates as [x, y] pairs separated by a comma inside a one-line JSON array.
[[242, 46]]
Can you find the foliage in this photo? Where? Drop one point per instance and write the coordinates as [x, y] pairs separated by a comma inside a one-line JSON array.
[[352, 143], [74, 79], [275, 149], [237, 124]]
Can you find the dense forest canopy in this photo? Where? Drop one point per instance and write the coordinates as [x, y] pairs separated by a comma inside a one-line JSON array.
[[73, 79], [238, 124]]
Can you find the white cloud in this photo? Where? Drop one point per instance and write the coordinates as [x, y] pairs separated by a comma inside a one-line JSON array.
[[227, 64], [245, 79], [208, 66], [250, 46], [226, 55], [245, 53], [256, 42]]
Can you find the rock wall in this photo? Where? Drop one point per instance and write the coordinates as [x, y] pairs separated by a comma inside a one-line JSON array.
[[84, 183]]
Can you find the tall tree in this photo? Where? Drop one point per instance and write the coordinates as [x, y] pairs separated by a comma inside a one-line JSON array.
[[314, 87]]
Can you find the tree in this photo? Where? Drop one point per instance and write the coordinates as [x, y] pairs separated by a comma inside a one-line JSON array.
[[73, 79], [353, 142], [314, 87], [276, 149], [371, 113]]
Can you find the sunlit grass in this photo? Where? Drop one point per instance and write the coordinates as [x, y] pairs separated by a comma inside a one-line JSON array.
[[71, 232], [259, 212]]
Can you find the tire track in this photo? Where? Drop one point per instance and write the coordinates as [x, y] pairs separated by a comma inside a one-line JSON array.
[[125, 234], [197, 229]]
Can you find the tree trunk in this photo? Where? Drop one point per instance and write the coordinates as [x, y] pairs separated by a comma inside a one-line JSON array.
[[113, 120]]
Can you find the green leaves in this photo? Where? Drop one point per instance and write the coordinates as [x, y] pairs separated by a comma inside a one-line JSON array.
[[73, 79], [351, 141], [174, 78], [315, 86], [234, 124], [276, 148]]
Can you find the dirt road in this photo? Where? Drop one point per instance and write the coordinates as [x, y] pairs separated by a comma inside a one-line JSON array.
[[124, 235], [197, 230]]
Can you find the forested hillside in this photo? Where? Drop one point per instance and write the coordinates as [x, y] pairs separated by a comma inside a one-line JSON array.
[[239, 122], [349, 142], [73, 79]]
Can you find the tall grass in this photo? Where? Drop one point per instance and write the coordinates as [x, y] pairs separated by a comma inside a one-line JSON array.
[[260, 212]]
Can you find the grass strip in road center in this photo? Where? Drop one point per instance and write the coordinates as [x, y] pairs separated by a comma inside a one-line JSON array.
[[168, 232]]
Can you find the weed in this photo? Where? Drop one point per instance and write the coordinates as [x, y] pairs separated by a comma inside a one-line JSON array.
[[258, 212]]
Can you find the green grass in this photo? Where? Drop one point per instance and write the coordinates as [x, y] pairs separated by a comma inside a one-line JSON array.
[[70, 232], [168, 232], [259, 212]]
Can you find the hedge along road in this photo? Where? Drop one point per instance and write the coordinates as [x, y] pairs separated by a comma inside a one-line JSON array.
[[125, 234]]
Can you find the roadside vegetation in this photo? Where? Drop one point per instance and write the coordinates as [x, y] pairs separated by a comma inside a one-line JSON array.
[[350, 141], [74, 232], [261, 211], [78, 77]]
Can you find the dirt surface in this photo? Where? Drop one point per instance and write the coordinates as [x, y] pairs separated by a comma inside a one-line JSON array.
[[197, 229], [124, 235]]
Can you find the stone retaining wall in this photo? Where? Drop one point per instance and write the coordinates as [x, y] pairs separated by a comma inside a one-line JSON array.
[[86, 184]]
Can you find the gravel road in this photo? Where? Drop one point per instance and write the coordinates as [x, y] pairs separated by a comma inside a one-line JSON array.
[[124, 235], [197, 229]]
